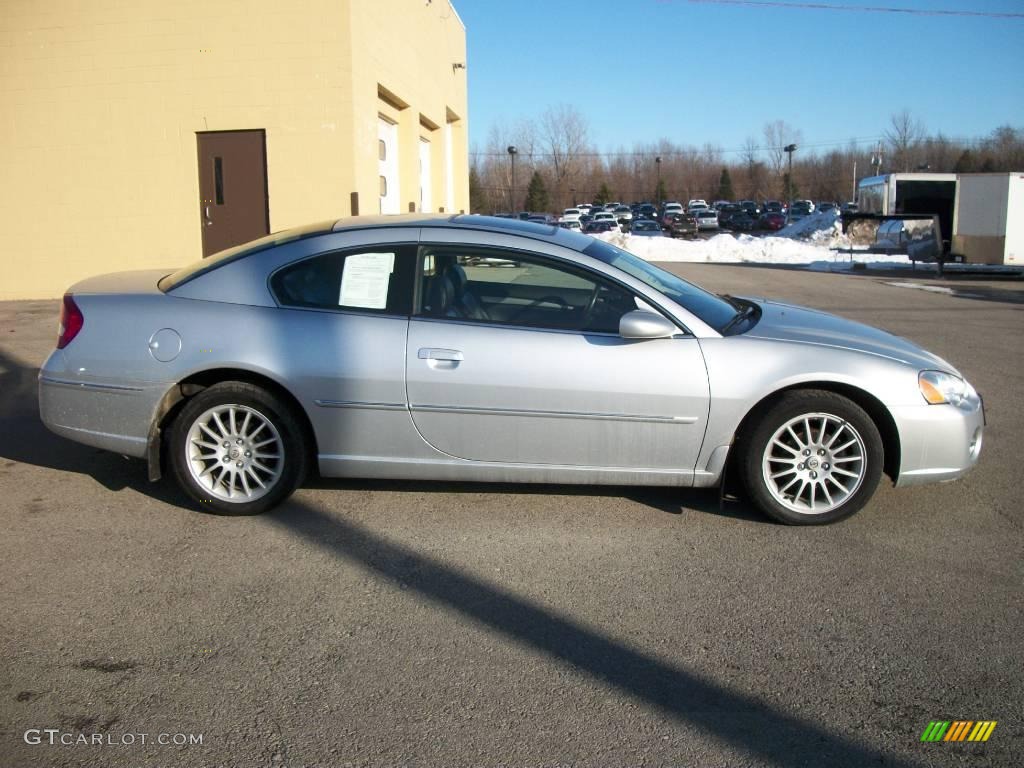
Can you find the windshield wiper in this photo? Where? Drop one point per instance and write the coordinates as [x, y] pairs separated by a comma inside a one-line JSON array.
[[744, 312]]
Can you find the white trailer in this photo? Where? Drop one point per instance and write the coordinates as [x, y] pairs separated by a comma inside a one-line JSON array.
[[925, 193], [988, 219]]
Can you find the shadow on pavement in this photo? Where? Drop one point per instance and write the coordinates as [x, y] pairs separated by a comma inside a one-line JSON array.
[[24, 439], [736, 719]]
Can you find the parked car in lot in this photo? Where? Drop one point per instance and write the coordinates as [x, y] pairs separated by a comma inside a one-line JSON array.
[[726, 212], [475, 348], [623, 213], [800, 209], [751, 207], [742, 221], [601, 225], [607, 216], [683, 225], [572, 224], [646, 228], [647, 211], [707, 218], [772, 221]]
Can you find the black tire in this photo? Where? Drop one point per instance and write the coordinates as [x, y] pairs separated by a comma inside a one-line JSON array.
[[288, 470], [824, 410]]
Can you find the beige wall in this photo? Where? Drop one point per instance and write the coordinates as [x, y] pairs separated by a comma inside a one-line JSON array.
[[102, 102], [414, 62]]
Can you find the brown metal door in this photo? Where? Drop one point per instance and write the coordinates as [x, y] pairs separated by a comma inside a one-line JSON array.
[[232, 188]]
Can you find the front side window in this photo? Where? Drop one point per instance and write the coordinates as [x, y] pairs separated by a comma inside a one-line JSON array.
[[712, 309], [370, 280], [511, 288]]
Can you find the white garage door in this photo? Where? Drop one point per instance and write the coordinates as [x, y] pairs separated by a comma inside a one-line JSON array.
[[387, 135], [426, 204]]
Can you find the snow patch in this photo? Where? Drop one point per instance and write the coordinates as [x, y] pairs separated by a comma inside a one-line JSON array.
[[740, 249], [822, 227]]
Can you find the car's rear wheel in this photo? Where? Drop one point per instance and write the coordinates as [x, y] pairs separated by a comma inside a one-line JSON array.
[[236, 449], [813, 457]]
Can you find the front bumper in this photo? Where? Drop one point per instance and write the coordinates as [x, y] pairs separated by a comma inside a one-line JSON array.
[[939, 442]]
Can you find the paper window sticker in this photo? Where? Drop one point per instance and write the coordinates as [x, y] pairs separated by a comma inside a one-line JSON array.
[[365, 280]]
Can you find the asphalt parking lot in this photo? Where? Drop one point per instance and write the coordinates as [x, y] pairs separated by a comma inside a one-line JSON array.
[[384, 623]]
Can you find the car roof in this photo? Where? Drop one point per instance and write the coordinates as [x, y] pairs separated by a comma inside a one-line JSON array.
[[548, 232], [572, 239]]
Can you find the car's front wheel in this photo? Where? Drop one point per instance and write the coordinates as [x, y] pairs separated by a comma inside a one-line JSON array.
[[236, 449], [813, 457]]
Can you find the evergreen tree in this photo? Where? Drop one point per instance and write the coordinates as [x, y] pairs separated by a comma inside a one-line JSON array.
[[476, 192], [660, 193], [536, 194], [725, 185], [603, 194], [965, 163]]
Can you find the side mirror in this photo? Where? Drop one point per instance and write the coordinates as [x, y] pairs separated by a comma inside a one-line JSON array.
[[641, 324]]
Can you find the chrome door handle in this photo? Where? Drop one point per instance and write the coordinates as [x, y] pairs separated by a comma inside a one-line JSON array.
[[429, 353]]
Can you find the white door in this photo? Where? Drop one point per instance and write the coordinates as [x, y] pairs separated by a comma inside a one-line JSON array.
[[426, 204], [387, 148]]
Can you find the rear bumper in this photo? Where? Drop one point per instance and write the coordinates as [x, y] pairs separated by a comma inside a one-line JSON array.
[[108, 415], [939, 442]]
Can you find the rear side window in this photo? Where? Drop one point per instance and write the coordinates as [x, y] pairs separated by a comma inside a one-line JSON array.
[[377, 279]]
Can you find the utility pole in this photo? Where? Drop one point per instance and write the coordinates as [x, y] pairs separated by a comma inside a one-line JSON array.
[[789, 149], [876, 159], [853, 199], [657, 190], [512, 152]]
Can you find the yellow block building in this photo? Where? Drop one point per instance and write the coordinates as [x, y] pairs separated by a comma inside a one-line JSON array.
[[140, 134]]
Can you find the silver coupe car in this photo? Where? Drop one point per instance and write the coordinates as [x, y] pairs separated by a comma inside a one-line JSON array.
[[476, 348]]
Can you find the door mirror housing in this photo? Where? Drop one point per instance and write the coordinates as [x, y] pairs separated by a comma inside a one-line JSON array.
[[641, 324]]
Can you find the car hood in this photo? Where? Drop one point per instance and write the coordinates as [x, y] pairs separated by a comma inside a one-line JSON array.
[[793, 323]]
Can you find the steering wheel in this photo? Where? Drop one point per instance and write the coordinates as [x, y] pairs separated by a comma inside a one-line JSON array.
[[544, 300], [591, 303]]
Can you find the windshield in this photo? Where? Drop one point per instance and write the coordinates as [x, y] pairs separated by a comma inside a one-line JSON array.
[[712, 309]]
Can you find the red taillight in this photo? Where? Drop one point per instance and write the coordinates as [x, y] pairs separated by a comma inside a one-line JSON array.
[[71, 321]]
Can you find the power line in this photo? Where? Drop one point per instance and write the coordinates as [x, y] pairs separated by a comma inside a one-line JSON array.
[[694, 150], [861, 8], [697, 153]]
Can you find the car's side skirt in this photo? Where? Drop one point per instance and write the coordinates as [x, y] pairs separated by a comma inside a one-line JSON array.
[[379, 467]]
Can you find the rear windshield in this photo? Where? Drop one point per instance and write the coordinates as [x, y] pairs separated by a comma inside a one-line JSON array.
[[219, 259]]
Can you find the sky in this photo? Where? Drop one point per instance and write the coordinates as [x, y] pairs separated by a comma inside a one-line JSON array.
[[715, 71]]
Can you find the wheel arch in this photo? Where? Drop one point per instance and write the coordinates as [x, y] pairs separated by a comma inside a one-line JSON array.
[[874, 408], [175, 398]]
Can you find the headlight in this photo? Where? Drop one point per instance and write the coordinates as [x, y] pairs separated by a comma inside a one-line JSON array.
[[938, 387]]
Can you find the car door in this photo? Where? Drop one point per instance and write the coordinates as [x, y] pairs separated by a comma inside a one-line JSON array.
[[515, 357], [343, 324]]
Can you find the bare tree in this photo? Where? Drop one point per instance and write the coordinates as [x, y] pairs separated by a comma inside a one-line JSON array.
[[563, 137], [903, 135], [777, 135]]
